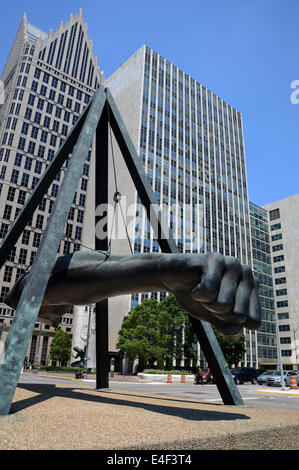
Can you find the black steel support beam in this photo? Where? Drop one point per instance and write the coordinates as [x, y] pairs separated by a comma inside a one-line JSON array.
[[101, 198]]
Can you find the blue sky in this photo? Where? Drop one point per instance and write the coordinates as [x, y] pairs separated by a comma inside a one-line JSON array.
[[245, 51]]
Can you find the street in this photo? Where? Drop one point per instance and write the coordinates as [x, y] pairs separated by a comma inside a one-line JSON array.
[[257, 396]]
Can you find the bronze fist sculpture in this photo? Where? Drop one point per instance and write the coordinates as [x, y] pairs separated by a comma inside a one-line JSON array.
[[210, 287]]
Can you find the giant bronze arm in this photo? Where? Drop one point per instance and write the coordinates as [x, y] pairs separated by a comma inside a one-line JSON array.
[[210, 287]]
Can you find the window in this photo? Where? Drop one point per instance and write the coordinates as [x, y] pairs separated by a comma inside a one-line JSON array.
[[278, 236], [47, 121], [31, 147], [25, 128], [40, 153], [31, 99], [284, 327], [4, 292], [280, 269], [25, 180], [36, 240], [44, 136], [34, 132], [64, 129], [53, 140], [3, 230], [276, 259], [58, 112], [43, 90], [21, 197], [34, 86], [23, 255], [78, 232], [286, 352], [14, 176], [11, 194], [39, 221], [274, 214], [37, 117], [21, 144], [281, 292], [52, 95], [283, 316], [54, 190], [40, 104], [49, 109], [280, 280], [37, 73], [80, 216], [26, 237], [282, 303], [38, 165], [7, 211], [28, 163], [84, 184], [277, 247], [54, 82], [286, 340], [7, 274], [42, 205], [275, 227]]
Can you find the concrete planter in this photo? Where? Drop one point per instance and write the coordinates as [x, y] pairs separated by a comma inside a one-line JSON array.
[[163, 378]]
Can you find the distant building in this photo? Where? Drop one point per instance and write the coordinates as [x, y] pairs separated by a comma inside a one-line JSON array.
[[49, 78], [284, 243]]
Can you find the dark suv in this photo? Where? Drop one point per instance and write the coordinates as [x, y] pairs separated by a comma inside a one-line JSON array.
[[245, 374]]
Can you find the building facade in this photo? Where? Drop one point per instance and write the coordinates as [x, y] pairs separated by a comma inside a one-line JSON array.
[[283, 219], [48, 80], [192, 147], [262, 266]]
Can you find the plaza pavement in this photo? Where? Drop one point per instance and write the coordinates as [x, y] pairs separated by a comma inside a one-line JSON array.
[[78, 417]]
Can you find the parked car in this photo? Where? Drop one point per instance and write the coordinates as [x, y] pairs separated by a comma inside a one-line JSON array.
[[207, 376], [244, 374], [262, 379], [275, 379]]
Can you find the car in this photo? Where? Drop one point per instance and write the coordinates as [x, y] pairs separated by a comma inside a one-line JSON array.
[[207, 376], [244, 374], [275, 379], [262, 379]]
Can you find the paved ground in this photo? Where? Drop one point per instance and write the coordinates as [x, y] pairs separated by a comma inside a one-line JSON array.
[[76, 416]]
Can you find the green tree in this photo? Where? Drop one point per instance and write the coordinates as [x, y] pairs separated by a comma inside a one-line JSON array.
[[233, 350], [140, 334], [154, 331], [60, 347]]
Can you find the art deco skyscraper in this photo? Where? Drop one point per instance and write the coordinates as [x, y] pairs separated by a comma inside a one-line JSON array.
[[48, 80], [191, 143]]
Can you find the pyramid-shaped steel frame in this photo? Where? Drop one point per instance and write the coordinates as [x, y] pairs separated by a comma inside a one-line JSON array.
[[93, 121]]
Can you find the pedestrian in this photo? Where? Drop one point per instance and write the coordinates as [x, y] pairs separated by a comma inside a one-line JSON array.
[[198, 376]]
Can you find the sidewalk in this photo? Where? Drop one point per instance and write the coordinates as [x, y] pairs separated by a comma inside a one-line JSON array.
[[76, 416]]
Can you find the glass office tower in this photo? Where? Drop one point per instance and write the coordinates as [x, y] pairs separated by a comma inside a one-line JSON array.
[[261, 256], [191, 143]]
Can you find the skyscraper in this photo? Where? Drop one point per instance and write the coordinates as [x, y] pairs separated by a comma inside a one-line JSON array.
[[48, 79], [191, 143]]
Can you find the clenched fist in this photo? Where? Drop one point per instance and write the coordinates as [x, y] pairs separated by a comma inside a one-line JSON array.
[[210, 287]]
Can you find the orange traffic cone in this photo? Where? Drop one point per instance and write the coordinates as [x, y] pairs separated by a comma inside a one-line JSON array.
[[293, 383], [169, 379], [183, 379]]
